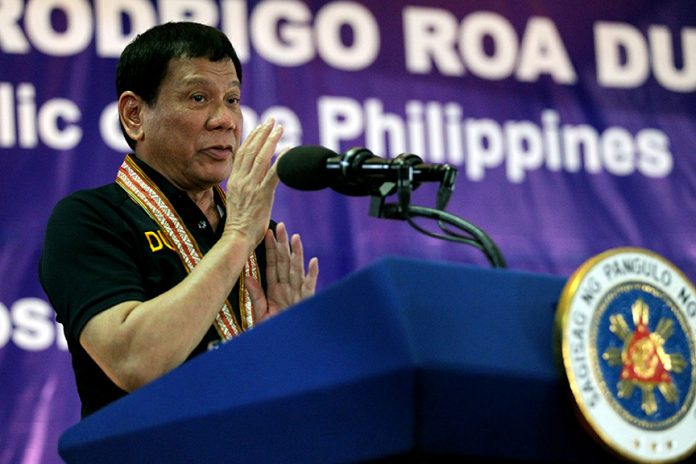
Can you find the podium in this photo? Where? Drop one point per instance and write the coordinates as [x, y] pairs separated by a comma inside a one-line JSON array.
[[402, 361]]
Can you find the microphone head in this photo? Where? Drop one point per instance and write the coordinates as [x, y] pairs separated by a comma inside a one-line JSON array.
[[304, 167]]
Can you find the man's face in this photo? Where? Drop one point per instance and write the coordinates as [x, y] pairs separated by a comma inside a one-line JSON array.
[[193, 129]]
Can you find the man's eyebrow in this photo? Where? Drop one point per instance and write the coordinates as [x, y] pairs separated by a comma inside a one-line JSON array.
[[193, 81]]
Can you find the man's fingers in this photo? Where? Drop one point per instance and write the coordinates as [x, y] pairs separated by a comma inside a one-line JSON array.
[[285, 270], [309, 283], [240, 157], [268, 148], [296, 262], [258, 298], [271, 260], [258, 163], [253, 157], [253, 143], [252, 182], [282, 254]]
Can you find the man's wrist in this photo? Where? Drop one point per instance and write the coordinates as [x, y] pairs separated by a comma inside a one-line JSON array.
[[237, 241]]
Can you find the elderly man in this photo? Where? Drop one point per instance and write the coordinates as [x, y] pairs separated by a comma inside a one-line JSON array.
[[162, 264]]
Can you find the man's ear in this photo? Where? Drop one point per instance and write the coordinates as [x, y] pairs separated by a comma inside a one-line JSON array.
[[130, 111]]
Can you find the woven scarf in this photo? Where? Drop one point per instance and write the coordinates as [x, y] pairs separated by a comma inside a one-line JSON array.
[[145, 193]]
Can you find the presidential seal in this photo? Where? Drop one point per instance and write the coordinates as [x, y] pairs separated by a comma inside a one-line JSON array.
[[625, 328]]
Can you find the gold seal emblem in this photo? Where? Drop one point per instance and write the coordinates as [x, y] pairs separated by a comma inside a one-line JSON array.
[[625, 328], [643, 360]]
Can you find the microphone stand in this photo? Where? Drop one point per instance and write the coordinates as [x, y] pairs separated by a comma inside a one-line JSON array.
[[466, 233]]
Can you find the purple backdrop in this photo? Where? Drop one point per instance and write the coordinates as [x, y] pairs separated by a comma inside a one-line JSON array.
[[573, 129]]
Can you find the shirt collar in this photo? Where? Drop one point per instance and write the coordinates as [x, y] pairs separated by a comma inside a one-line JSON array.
[[173, 193]]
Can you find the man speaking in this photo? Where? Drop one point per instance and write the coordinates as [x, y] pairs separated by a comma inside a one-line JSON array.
[[162, 264]]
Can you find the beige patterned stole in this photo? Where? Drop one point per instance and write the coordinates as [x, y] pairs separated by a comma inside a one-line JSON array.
[[143, 191]]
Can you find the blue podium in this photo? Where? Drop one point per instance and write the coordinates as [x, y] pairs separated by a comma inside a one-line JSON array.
[[404, 360]]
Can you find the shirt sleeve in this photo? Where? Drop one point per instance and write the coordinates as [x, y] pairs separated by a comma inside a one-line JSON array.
[[89, 262]]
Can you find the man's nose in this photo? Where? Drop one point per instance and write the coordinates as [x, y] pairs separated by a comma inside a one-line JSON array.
[[222, 117]]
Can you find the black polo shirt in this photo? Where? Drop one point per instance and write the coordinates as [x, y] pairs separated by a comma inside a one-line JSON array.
[[102, 249]]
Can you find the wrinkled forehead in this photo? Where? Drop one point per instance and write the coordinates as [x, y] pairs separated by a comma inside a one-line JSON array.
[[192, 71]]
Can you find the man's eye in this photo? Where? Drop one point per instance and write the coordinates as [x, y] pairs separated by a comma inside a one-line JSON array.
[[198, 98], [233, 100]]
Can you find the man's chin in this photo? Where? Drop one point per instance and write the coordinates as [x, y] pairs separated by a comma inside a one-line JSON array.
[[217, 170]]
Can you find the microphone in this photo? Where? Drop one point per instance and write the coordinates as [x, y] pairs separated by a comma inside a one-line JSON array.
[[357, 172]]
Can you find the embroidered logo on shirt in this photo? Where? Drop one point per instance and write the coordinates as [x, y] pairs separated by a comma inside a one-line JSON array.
[[157, 241]]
